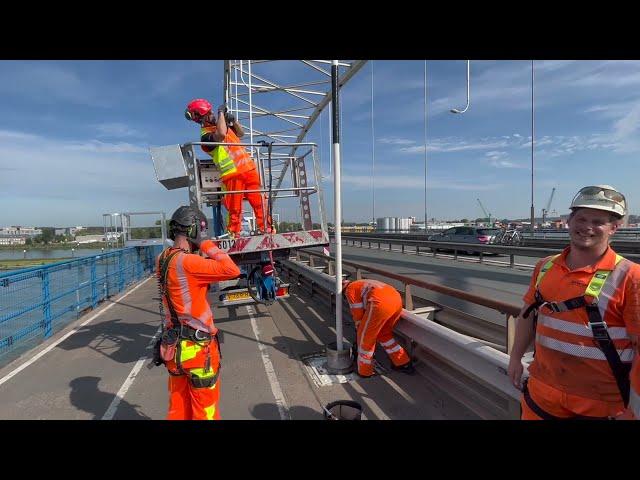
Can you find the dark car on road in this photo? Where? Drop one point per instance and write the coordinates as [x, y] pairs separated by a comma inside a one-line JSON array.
[[477, 235]]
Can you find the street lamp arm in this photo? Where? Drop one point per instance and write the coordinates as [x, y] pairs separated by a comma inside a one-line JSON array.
[[455, 110]]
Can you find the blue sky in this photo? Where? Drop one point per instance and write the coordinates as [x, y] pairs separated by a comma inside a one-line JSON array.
[[74, 136]]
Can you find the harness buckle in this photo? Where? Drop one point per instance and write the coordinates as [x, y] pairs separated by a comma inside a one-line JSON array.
[[196, 335], [553, 306], [602, 323]]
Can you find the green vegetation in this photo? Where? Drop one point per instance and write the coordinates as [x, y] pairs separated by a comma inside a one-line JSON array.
[[30, 262]]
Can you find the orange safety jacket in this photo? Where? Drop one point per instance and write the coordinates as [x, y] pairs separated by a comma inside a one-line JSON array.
[[188, 279], [567, 354], [357, 293], [239, 155]]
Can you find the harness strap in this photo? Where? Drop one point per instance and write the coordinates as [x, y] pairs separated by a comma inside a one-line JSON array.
[[619, 369]]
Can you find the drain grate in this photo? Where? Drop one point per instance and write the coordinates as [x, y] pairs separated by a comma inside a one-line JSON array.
[[316, 366]]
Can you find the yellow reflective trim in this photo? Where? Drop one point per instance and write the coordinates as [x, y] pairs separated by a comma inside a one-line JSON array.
[[545, 269], [202, 373], [597, 282], [210, 411], [188, 352]]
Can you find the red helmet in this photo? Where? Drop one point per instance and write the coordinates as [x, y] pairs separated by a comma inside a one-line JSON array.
[[267, 270], [196, 109]]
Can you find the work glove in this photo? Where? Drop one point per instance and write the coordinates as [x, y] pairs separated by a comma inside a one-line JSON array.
[[223, 108], [229, 118]]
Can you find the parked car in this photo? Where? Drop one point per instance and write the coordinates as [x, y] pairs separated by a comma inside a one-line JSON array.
[[477, 235]]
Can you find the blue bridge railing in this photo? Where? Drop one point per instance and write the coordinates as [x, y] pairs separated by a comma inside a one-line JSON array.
[[36, 302]]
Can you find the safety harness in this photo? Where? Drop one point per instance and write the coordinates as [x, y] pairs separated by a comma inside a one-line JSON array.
[[595, 323], [180, 331]]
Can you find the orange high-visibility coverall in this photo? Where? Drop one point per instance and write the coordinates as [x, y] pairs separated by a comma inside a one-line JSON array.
[[570, 375], [375, 308], [245, 177], [195, 363]]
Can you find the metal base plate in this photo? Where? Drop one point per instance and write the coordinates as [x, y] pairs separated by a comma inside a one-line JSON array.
[[316, 366]]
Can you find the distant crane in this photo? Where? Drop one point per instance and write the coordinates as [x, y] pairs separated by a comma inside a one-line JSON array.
[[488, 215], [545, 211]]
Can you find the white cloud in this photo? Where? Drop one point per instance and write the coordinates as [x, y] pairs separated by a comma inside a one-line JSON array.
[[396, 141], [116, 130], [415, 182]]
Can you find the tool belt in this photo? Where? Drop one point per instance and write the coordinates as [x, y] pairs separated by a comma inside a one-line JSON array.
[[537, 409]]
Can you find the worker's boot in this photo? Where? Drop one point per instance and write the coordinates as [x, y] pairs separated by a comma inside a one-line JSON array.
[[407, 368]]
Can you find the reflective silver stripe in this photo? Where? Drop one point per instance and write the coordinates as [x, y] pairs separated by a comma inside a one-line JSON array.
[[184, 286], [364, 360], [187, 316], [582, 351], [389, 343], [611, 284], [634, 403], [394, 349], [364, 329], [356, 305], [366, 353], [616, 333]]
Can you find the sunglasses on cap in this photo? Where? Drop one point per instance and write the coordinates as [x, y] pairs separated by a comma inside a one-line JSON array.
[[608, 193]]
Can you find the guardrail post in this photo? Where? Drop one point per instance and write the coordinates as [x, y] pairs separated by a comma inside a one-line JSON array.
[[297, 255], [480, 257], [402, 248], [312, 262], [455, 254], [511, 332], [408, 298], [94, 286], [330, 267], [121, 271], [369, 244], [358, 274], [46, 304], [378, 245], [512, 260], [417, 249], [360, 243], [389, 246]]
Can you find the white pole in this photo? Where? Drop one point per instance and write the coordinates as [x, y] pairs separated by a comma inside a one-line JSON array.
[[335, 110]]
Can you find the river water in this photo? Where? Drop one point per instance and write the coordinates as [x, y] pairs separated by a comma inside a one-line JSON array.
[[48, 253]]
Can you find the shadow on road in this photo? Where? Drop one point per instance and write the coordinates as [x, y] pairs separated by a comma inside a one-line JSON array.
[[86, 395], [269, 411], [120, 341]]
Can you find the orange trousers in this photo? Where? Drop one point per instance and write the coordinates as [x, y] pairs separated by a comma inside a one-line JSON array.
[[380, 316], [233, 202], [564, 405], [186, 400]]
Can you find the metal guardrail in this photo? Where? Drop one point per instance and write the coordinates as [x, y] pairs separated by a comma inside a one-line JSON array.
[[422, 246], [465, 368], [36, 302]]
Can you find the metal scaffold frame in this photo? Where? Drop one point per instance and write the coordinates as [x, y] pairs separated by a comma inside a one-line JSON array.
[[306, 100]]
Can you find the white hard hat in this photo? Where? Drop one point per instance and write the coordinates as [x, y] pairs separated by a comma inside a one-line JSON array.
[[601, 197]]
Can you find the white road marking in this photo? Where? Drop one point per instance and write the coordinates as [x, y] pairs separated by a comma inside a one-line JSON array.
[[14, 372], [111, 411], [281, 402]]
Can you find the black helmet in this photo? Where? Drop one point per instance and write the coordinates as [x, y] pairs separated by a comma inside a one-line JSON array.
[[188, 221]]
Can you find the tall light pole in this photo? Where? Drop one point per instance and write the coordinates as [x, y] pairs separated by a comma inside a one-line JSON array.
[[335, 111], [455, 110], [425, 146], [373, 168], [532, 141]]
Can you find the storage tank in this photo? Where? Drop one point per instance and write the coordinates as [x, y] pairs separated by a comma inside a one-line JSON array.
[[393, 224], [404, 224], [380, 224]]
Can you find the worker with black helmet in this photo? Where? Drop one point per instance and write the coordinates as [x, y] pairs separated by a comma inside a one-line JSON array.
[[189, 346]]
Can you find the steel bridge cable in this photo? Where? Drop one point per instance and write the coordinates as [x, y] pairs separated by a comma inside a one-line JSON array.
[[532, 142]]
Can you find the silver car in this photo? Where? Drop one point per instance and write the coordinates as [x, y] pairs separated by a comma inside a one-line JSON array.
[[477, 235]]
